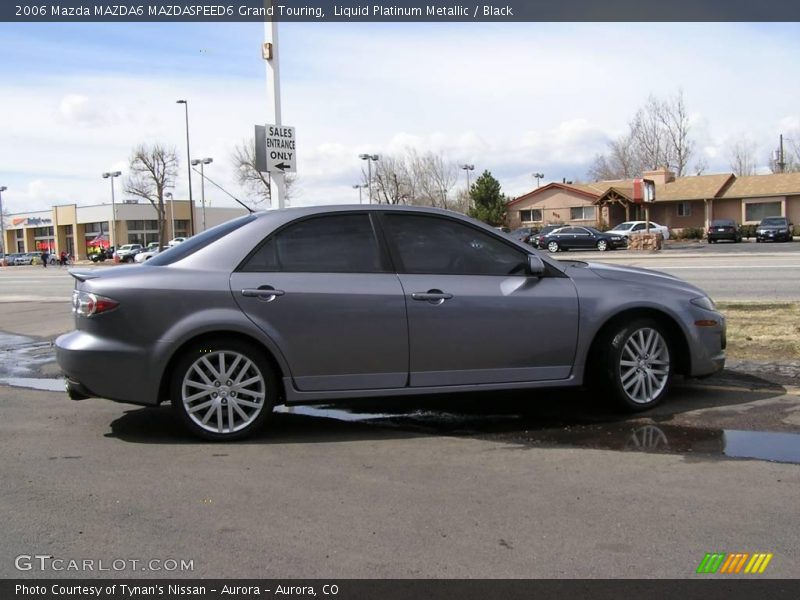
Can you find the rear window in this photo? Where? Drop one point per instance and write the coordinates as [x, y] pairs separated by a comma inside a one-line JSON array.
[[722, 223], [199, 241]]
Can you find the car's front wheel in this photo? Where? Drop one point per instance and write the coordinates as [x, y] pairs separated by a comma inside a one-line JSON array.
[[602, 245], [552, 247], [223, 390], [637, 364]]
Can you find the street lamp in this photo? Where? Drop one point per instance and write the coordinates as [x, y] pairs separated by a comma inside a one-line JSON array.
[[171, 211], [359, 187], [202, 162], [188, 166], [111, 175], [537, 176], [467, 168], [370, 158], [2, 220]]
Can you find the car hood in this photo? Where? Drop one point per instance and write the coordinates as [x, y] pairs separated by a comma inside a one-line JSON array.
[[643, 276]]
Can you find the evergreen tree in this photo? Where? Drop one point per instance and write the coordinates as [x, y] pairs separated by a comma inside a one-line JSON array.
[[488, 202]]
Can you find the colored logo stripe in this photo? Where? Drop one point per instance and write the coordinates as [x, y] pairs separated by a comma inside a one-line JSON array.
[[733, 563]]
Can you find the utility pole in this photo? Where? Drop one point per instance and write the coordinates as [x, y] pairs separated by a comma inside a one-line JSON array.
[[270, 52]]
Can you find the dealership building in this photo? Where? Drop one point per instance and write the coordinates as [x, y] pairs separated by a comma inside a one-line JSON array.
[[83, 230], [680, 202]]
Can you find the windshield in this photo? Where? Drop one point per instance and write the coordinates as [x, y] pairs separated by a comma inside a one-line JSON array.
[[195, 243], [774, 221]]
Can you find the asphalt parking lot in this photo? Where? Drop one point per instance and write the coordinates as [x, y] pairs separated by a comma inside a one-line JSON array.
[[479, 485]]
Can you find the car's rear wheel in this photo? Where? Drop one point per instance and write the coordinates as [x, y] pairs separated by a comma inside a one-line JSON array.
[[637, 364], [602, 245], [223, 390], [553, 247]]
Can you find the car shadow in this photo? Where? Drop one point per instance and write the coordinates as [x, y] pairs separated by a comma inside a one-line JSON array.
[[476, 414]]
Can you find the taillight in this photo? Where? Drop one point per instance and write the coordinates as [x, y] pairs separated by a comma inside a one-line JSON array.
[[85, 304]]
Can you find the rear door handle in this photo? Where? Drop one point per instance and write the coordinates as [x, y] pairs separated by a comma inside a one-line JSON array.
[[265, 292], [432, 296]]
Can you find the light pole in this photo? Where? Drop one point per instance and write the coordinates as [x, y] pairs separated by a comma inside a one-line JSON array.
[[467, 168], [359, 187], [2, 221], [188, 166], [202, 162], [537, 176], [113, 238], [171, 211], [370, 158]]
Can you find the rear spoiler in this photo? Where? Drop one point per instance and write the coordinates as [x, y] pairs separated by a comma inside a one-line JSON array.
[[84, 275]]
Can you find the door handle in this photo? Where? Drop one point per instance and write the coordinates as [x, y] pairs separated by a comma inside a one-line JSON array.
[[433, 296], [265, 293]]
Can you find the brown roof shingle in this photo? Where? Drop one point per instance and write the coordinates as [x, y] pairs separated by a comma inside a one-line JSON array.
[[753, 186]]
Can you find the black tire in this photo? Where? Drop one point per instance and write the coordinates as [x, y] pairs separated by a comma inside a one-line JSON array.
[[218, 407], [618, 381]]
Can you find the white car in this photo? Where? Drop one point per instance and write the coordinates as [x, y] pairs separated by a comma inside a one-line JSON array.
[[148, 254], [176, 241], [628, 227]]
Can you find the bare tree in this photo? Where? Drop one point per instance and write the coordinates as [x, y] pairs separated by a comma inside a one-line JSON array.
[[255, 183], [741, 156], [413, 178], [153, 170], [620, 162], [658, 136], [674, 119]]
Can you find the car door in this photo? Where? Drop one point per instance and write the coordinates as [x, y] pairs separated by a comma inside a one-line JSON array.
[[565, 237], [322, 290], [582, 238], [474, 315]]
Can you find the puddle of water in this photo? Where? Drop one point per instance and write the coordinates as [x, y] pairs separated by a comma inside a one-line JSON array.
[[623, 436], [21, 356], [35, 383]]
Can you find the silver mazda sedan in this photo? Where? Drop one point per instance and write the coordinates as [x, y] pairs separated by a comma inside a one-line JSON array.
[[317, 304]]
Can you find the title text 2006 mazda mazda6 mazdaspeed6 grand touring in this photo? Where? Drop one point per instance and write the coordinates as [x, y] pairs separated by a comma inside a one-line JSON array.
[[317, 304]]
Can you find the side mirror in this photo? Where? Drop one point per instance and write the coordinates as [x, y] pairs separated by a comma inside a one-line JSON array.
[[535, 266]]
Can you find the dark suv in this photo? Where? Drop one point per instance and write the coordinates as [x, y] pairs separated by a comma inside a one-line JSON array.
[[723, 229], [774, 229]]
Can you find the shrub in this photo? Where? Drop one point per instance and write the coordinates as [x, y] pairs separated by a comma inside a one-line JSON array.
[[691, 233], [747, 231]]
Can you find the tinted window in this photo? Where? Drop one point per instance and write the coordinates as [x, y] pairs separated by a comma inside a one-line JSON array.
[[774, 221], [567, 231], [329, 244], [443, 246], [722, 223], [193, 244]]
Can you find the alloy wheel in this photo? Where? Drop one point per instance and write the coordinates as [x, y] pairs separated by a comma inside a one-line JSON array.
[[553, 247], [644, 365], [223, 392]]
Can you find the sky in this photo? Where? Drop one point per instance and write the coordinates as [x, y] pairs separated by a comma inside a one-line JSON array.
[[513, 99]]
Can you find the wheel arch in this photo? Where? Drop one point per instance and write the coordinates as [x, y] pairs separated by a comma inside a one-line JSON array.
[[166, 376], [676, 337]]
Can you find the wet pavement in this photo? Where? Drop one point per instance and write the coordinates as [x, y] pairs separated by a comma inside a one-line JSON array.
[[734, 415]]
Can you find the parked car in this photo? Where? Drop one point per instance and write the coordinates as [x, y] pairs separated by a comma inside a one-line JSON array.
[[176, 241], [151, 246], [774, 229], [28, 258], [537, 239], [102, 255], [148, 254], [384, 290], [581, 238], [128, 251], [723, 229], [522, 234], [10, 259], [629, 227]]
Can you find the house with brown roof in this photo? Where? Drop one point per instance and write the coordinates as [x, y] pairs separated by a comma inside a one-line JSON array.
[[682, 202]]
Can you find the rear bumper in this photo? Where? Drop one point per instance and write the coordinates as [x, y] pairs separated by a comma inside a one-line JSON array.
[[106, 369]]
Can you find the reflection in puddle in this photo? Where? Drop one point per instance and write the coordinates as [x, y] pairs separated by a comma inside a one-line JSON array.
[[528, 431]]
